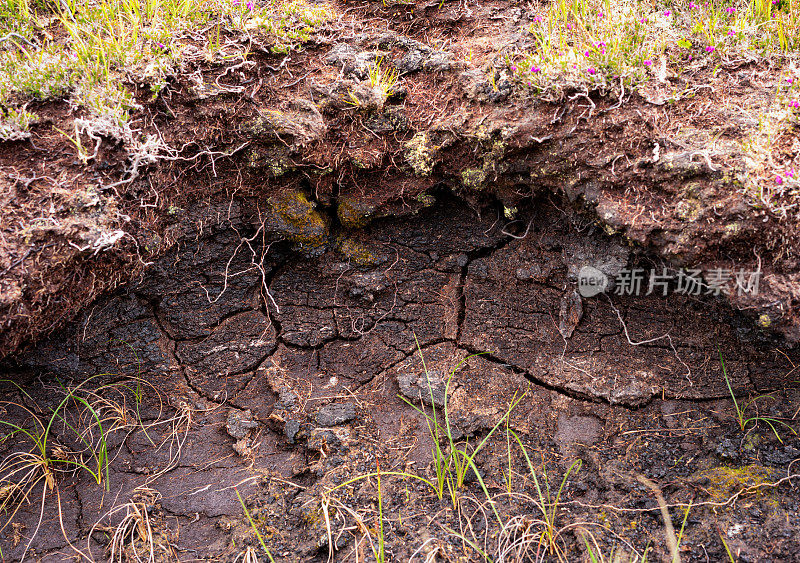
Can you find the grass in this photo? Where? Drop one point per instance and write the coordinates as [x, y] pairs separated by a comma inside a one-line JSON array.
[[728, 552], [249, 555], [134, 533], [547, 504], [531, 525], [382, 77], [451, 461], [67, 438], [15, 124], [615, 556], [36, 468], [598, 43], [741, 409], [260, 538], [454, 460], [380, 553], [668, 50], [97, 53]]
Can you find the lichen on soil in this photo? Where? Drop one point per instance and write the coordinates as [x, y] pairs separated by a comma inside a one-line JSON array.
[[304, 285]]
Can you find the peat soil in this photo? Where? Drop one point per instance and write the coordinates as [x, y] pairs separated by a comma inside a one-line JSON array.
[[676, 165], [242, 366]]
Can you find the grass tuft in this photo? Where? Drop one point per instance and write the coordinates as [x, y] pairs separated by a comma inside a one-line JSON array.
[[747, 422]]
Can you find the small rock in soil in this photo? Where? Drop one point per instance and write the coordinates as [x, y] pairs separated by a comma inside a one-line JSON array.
[[290, 430], [570, 314], [424, 387], [728, 450], [240, 424], [336, 413], [782, 456], [585, 430]]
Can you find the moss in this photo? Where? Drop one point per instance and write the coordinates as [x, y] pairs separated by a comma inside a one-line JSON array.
[[353, 213], [357, 253], [493, 160], [279, 166], [722, 482], [692, 190], [732, 229], [688, 209], [275, 159], [609, 230], [473, 178], [498, 151], [420, 155], [426, 199], [294, 216]]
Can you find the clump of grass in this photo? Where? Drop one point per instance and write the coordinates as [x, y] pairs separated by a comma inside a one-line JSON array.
[[28, 74], [67, 439], [34, 471], [97, 52], [15, 124], [520, 533], [454, 459], [248, 555], [292, 23], [382, 77], [748, 422], [616, 555], [603, 44], [133, 537]]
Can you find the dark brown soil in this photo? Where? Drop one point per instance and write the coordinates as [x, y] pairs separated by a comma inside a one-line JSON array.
[[287, 399], [482, 141]]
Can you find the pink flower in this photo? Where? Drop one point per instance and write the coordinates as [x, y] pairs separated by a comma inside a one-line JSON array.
[[643, 20], [513, 68], [535, 69], [161, 46], [710, 49], [569, 26], [790, 173], [591, 70], [731, 32], [599, 14], [789, 80], [730, 10], [667, 13], [537, 19], [778, 180], [794, 104], [250, 5], [586, 54], [648, 62]]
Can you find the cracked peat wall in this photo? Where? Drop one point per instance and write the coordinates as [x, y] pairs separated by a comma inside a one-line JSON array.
[[300, 240], [232, 302], [298, 357]]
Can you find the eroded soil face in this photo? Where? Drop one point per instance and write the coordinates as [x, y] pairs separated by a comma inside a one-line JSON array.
[[282, 375]]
